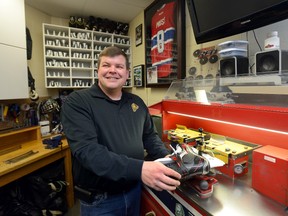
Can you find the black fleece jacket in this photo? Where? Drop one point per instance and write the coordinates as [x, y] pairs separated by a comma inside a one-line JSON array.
[[107, 138]]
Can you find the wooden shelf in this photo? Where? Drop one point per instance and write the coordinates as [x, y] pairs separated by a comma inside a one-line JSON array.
[[18, 142], [15, 138]]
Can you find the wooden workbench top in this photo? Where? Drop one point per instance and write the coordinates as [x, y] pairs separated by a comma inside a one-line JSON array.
[[36, 146]]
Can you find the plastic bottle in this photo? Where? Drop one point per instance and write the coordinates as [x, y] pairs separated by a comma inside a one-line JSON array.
[[272, 41]]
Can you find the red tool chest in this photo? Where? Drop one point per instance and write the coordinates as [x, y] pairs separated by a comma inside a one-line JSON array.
[[270, 172]]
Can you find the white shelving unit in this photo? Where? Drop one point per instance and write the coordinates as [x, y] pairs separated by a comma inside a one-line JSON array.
[[71, 55]]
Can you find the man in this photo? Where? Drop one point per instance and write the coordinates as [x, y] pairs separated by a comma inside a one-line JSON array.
[[107, 131]]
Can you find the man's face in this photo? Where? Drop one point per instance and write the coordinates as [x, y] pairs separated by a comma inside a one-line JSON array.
[[112, 72]]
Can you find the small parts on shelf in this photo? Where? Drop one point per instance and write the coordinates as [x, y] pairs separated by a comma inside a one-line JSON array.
[[53, 53], [80, 65], [53, 83], [56, 33], [122, 41], [55, 63], [81, 55], [81, 35], [80, 45], [103, 39], [81, 83], [72, 54], [55, 74], [57, 42], [99, 48]]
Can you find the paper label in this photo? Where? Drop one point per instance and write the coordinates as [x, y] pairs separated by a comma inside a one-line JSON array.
[[267, 158]]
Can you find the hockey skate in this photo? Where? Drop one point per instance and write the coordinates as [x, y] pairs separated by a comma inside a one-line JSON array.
[[187, 163]]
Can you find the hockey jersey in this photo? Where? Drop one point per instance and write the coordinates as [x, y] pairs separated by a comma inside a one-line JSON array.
[[163, 34]]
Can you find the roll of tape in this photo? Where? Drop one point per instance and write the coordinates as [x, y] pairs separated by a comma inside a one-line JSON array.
[[25, 107]]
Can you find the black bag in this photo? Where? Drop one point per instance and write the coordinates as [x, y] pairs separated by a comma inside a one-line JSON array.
[[46, 188], [28, 44], [42, 192], [14, 203], [49, 196]]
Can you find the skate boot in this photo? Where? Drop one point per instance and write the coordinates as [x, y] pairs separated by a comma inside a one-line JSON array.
[[187, 163]]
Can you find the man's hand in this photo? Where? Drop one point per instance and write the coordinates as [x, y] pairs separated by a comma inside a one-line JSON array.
[[159, 177]]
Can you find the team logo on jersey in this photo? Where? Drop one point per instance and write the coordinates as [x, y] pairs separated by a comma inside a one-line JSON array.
[[160, 22], [134, 107]]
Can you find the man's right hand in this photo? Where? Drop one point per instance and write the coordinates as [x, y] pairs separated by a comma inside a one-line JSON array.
[[159, 177]]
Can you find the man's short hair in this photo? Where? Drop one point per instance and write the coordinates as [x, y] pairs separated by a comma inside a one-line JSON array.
[[113, 51]]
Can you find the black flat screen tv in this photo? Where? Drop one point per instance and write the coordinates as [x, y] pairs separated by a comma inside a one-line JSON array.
[[215, 19]]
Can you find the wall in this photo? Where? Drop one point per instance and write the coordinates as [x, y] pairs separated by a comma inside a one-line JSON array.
[[138, 57], [149, 95], [260, 36], [35, 18]]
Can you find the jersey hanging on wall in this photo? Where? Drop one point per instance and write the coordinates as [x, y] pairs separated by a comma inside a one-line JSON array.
[[163, 36]]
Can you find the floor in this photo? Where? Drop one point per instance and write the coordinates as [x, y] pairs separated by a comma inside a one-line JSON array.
[[75, 211]]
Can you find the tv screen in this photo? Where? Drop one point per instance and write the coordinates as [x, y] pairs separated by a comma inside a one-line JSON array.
[[213, 20]]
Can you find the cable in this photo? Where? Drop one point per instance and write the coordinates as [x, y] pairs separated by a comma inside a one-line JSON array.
[[256, 40]]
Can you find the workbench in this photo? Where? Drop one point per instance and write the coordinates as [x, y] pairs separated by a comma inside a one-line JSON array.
[[260, 125], [230, 197], [28, 141]]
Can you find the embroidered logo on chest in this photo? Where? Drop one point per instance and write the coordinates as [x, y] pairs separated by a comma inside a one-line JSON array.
[[134, 107]]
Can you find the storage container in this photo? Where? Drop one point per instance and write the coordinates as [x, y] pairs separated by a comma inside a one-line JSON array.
[[231, 52], [272, 41], [240, 44]]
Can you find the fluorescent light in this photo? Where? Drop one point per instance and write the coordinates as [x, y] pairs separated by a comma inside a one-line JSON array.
[[229, 123]]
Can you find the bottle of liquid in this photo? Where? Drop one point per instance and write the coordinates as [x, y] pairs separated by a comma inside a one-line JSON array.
[[272, 41]]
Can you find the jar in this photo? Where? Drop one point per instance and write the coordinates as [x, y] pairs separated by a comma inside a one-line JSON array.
[[272, 41]]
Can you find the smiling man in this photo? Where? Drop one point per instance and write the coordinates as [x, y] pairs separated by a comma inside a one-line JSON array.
[[107, 130], [113, 71]]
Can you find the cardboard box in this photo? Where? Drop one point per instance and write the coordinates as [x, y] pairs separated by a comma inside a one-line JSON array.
[[45, 128]]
